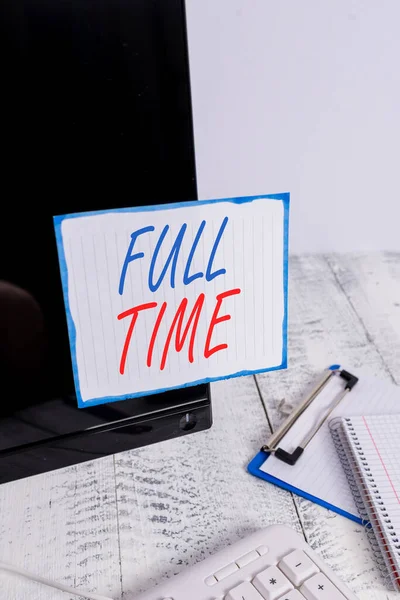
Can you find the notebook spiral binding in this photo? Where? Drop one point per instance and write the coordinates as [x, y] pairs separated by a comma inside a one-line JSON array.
[[367, 509]]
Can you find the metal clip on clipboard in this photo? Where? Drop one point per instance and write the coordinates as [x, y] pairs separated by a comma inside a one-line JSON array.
[[291, 458]]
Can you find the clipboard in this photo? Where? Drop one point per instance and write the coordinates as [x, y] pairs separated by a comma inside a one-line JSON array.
[[254, 469], [290, 456]]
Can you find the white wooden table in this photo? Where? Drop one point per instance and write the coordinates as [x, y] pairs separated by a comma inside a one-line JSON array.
[[120, 524]]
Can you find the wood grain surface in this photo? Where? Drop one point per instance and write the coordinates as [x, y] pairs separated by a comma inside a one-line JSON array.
[[120, 524]]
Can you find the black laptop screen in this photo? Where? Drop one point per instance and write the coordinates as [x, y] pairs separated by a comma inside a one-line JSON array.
[[98, 115]]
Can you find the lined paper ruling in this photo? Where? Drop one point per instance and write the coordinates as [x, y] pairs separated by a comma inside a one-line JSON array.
[[369, 448], [172, 295], [318, 474]]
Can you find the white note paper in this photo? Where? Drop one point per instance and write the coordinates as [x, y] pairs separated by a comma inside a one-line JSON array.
[[226, 258]]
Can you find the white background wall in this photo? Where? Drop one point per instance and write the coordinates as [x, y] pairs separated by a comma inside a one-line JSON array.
[[302, 96]]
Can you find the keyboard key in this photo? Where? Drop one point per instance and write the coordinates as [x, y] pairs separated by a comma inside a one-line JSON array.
[[320, 588], [272, 583], [248, 558], [298, 567], [262, 550], [226, 571], [244, 591], [293, 595], [210, 580]]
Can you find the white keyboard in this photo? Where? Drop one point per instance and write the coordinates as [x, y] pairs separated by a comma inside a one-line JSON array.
[[273, 564]]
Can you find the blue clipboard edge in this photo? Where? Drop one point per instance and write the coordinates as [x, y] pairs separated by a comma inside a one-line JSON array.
[[254, 468]]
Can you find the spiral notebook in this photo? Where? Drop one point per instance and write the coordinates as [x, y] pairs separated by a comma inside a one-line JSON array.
[[369, 450]]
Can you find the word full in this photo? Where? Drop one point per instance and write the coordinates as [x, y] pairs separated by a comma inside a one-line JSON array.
[[179, 327]]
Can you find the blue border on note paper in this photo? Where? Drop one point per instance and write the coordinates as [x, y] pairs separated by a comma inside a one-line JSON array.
[[254, 468], [284, 198]]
